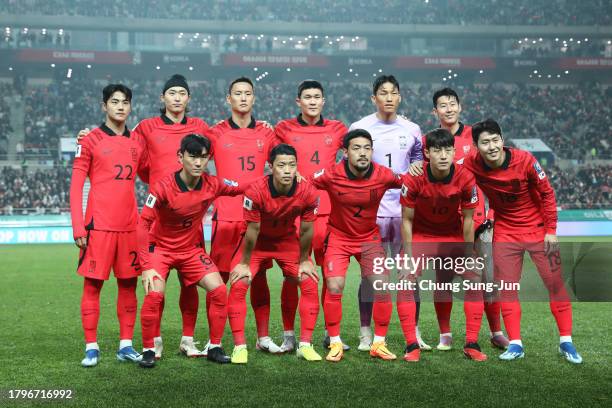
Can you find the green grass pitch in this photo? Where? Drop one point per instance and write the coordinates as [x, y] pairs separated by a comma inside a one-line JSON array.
[[41, 345]]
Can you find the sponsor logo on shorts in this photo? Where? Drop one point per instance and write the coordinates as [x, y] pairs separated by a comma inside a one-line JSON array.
[[92, 266], [151, 199]]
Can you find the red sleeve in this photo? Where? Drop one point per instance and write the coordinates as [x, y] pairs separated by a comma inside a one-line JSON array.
[[251, 205], [271, 141], [391, 180], [341, 130], [148, 215], [144, 164], [410, 191], [537, 178], [320, 179], [80, 171], [309, 214], [469, 191]]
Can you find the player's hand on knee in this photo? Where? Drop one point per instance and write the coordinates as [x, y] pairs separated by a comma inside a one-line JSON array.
[[416, 168], [307, 270], [82, 134], [551, 244], [81, 242], [240, 271], [148, 280]]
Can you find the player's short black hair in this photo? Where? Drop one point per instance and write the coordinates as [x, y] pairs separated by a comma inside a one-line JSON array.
[[309, 84], [110, 89], [282, 148], [355, 133], [194, 143], [383, 79], [237, 81], [487, 125], [439, 138], [444, 92]]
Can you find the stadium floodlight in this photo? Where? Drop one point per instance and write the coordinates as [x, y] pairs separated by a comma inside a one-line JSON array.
[[288, 69], [455, 75], [52, 65], [10, 68], [356, 37], [379, 69], [557, 39], [481, 71], [586, 40], [444, 79], [566, 72], [157, 67], [350, 69], [540, 39], [255, 69], [450, 71], [266, 73], [191, 68], [88, 66], [69, 73], [558, 76], [338, 74], [535, 71]]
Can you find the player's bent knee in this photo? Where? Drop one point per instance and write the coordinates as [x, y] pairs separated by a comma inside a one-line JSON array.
[[211, 281]]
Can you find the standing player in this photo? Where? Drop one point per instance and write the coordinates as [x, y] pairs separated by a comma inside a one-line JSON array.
[[317, 141], [447, 109], [240, 146], [355, 186], [161, 137], [110, 156], [271, 206], [398, 144], [525, 220], [431, 221], [170, 236]]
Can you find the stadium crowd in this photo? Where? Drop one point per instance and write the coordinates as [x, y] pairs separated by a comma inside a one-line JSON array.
[[5, 119], [26, 191], [492, 12], [64, 107]]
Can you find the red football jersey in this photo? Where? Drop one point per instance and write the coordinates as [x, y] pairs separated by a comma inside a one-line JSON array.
[[463, 143], [276, 212], [518, 191], [176, 212], [354, 202], [437, 203], [111, 162], [240, 154], [316, 146], [162, 139]]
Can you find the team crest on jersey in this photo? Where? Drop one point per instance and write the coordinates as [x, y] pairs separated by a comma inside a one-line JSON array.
[[230, 183], [474, 199], [151, 199], [77, 152], [319, 173], [404, 190], [328, 140], [403, 142], [466, 149], [539, 170], [260, 145], [248, 203], [297, 138], [134, 154]]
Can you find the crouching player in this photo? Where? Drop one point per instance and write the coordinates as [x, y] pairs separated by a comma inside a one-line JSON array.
[[355, 186], [169, 236], [271, 206], [110, 156], [431, 224], [526, 221]]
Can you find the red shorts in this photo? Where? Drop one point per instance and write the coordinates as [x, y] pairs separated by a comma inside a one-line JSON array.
[[318, 239], [192, 265], [106, 249], [226, 239], [339, 250], [286, 253]]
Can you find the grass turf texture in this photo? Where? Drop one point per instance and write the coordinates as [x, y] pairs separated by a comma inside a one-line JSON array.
[[41, 345]]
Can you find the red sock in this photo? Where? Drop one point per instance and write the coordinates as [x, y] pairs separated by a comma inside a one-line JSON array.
[[289, 303], [333, 312], [218, 313], [260, 301], [473, 307], [511, 312], [309, 308], [406, 310], [157, 328], [90, 308], [381, 314], [493, 311], [189, 301], [126, 307], [149, 317], [443, 313], [237, 310], [563, 315]]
